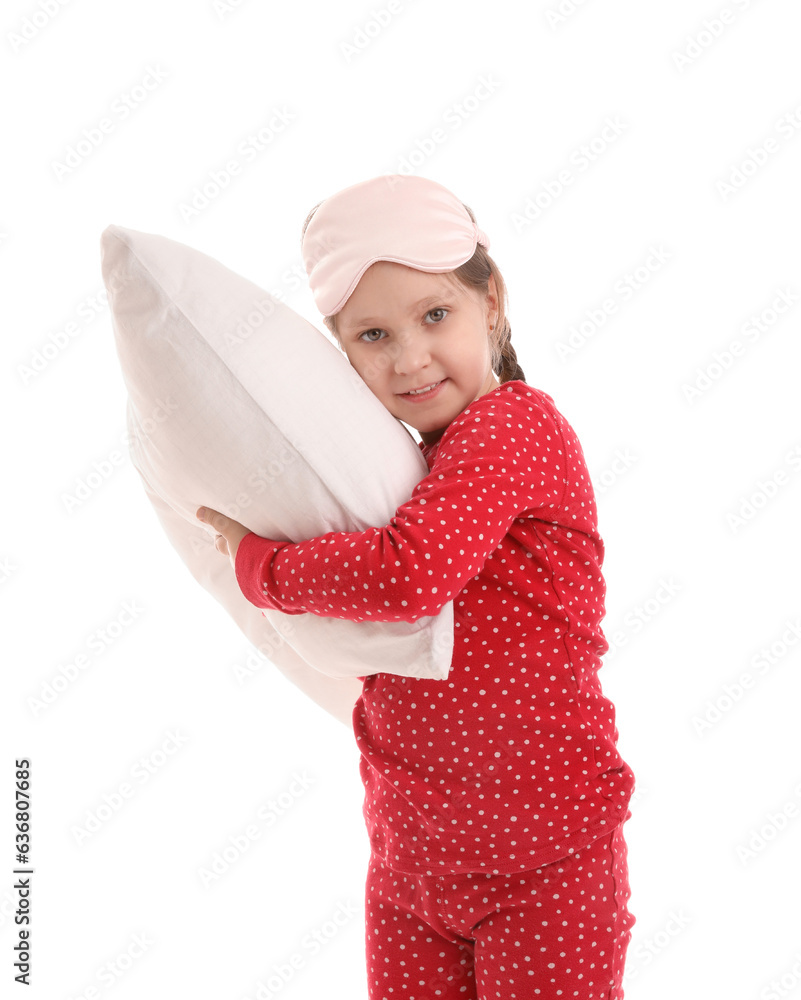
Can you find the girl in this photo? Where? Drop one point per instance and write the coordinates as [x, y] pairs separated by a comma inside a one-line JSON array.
[[494, 800]]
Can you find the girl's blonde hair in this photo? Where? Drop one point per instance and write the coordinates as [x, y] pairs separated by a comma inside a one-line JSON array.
[[474, 273]]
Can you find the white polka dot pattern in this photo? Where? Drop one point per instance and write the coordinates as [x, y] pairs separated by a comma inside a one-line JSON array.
[[556, 932], [511, 762]]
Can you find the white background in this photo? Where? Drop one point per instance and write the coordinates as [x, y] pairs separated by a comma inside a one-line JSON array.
[[693, 595]]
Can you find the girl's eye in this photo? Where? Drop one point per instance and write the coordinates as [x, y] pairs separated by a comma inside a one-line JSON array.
[[366, 337]]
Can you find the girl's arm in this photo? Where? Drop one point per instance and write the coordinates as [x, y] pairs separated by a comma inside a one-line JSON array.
[[501, 458]]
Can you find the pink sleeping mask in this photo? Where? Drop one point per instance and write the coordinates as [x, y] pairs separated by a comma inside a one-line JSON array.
[[406, 219]]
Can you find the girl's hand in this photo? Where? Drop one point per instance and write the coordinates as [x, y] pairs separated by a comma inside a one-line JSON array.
[[229, 532]]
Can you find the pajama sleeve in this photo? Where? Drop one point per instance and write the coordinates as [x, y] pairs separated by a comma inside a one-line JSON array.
[[501, 458]]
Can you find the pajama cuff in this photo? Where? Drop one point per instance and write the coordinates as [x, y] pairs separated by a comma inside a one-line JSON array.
[[252, 568]]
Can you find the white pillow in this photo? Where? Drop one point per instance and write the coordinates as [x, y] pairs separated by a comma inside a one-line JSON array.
[[238, 403]]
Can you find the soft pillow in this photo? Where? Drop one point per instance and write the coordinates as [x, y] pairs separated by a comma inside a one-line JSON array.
[[238, 403]]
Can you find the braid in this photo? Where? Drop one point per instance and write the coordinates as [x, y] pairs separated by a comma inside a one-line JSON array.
[[507, 366]]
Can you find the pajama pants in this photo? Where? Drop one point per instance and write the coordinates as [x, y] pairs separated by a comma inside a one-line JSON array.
[[561, 930]]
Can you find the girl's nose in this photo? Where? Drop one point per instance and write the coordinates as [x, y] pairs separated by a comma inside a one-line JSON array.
[[413, 354]]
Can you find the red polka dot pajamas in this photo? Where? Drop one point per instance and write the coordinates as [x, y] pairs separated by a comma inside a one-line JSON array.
[[495, 799]]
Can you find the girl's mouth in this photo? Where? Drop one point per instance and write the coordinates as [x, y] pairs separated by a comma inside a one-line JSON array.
[[425, 392]]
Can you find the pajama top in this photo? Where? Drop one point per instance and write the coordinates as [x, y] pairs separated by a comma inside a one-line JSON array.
[[511, 762]]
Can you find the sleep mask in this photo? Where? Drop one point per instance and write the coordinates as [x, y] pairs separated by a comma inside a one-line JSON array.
[[405, 219]]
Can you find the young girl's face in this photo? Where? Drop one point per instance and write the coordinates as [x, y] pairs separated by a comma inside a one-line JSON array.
[[404, 329]]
